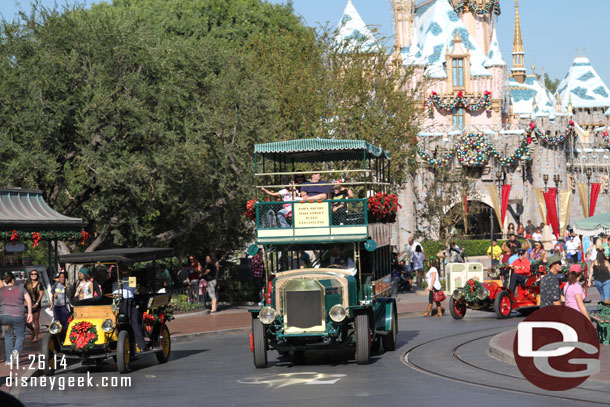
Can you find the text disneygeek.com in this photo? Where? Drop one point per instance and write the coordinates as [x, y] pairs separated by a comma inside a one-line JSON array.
[[67, 382]]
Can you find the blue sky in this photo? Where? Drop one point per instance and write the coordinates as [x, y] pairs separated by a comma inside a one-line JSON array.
[[552, 29]]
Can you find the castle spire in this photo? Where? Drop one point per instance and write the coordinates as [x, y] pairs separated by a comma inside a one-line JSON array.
[[518, 70], [403, 14]]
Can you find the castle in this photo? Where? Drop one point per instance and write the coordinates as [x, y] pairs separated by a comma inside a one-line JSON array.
[[499, 122]]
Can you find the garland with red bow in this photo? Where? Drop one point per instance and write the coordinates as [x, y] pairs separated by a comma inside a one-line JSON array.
[[435, 100], [161, 315], [470, 290], [83, 336], [606, 138], [383, 207], [553, 140], [36, 237]]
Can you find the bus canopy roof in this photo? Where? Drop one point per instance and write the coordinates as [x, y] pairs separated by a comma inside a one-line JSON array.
[[308, 150]]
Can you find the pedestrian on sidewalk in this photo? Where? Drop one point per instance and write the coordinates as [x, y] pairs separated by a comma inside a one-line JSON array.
[[550, 293], [192, 280], [573, 294], [60, 295], [210, 274], [417, 260], [12, 298], [34, 289], [257, 270], [434, 285], [601, 275]]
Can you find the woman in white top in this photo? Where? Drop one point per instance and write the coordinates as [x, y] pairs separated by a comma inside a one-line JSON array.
[[84, 290], [434, 285]]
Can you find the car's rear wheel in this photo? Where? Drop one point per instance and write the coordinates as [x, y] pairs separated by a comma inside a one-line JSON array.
[[123, 352], [363, 339], [165, 341], [389, 340], [49, 351], [503, 305], [259, 344], [457, 308]]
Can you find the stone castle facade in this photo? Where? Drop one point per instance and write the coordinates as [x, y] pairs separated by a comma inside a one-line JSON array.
[[471, 94]]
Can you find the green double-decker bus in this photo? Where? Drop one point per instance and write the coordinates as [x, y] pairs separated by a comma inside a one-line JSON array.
[[323, 214]]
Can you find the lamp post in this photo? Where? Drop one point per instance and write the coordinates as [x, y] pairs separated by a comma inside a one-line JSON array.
[[557, 181], [588, 173], [545, 178], [491, 222]]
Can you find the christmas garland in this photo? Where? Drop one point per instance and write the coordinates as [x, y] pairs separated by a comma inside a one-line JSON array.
[[553, 140], [36, 237], [161, 315], [470, 290], [435, 100], [474, 150], [492, 6], [383, 207], [606, 138], [83, 336]]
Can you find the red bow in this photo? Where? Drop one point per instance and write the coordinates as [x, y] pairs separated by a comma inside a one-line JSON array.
[[460, 94], [35, 239], [14, 235], [532, 125], [85, 236]]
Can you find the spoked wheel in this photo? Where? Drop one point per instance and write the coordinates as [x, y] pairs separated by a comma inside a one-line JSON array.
[[389, 341], [457, 309], [166, 345], [259, 344], [363, 339], [123, 352], [49, 351], [503, 306]]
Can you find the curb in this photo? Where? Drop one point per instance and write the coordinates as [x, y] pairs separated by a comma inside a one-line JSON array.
[[497, 352]]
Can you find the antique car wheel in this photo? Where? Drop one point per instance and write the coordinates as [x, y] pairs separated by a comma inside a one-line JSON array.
[[503, 306], [363, 339], [389, 341], [123, 352], [457, 309], [166, 345], [259, 339], [49, 351]]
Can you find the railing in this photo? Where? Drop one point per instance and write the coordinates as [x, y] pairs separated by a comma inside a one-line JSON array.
[[298, 219]]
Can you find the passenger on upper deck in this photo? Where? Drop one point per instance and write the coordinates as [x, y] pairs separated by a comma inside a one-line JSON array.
[[341, 192], [312, 190]]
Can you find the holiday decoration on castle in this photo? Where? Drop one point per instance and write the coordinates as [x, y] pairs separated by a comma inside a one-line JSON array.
[[492, 6], [459, 101], [553, 140], [606, 139], [446, 159]]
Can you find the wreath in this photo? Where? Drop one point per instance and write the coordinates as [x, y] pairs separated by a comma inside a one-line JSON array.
[[470, 290], [83, 336]]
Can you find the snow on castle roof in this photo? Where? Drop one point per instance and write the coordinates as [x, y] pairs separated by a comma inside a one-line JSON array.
[[435, 24], [583, 87], [353, 30], [523, 95], [494, 57]]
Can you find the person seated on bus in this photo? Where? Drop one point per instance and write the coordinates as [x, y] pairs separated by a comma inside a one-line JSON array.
[[341, 192], [521, 270], [127, 306], [312, 190], [337, 258]]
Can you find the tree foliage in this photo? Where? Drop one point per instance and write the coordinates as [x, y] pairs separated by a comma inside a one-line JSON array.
[[140, 116]]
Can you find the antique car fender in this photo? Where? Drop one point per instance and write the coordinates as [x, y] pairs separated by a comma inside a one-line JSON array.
[[383, 314], [494, 287]]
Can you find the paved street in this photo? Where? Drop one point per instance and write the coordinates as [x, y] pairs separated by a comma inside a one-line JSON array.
[[438, 362]]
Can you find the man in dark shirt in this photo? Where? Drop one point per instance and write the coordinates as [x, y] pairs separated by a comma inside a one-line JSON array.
[[529, 229], [513, 244], [313, 190], [550, 294]]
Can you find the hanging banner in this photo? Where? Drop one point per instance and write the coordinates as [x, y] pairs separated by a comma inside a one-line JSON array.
[[541, 205], [493, 194], [594, 194], [584, 201], [551, 209], [565, 198], [505, 196]]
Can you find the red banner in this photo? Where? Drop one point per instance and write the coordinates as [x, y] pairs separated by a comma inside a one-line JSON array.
[[466, 205], [505, 196], [550, 198], [593, 200]]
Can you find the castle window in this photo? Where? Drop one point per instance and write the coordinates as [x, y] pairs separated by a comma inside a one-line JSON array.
[[458, 118], [458, 72]]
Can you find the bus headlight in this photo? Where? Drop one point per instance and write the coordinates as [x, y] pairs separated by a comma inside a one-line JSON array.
[[54, 328], [267, 315], [107, 326], [337, 313]]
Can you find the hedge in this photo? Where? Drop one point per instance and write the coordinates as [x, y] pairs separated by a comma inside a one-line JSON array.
[[471, 247]]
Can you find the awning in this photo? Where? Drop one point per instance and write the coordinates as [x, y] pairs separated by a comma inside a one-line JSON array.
[[594, 225], [309, 149], [25, 209]]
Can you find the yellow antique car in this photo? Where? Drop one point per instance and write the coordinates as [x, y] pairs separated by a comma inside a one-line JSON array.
[[127, 315]]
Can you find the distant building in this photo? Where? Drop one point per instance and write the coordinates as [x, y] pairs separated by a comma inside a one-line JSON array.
[[469, 89]]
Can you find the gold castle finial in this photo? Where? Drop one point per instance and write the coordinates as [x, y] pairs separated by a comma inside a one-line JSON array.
[[518, 70]]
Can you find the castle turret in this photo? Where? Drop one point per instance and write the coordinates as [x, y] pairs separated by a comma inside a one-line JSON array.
[[518, 70]]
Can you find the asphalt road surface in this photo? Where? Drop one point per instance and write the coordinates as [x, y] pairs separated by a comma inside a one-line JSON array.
[[437, 362]]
